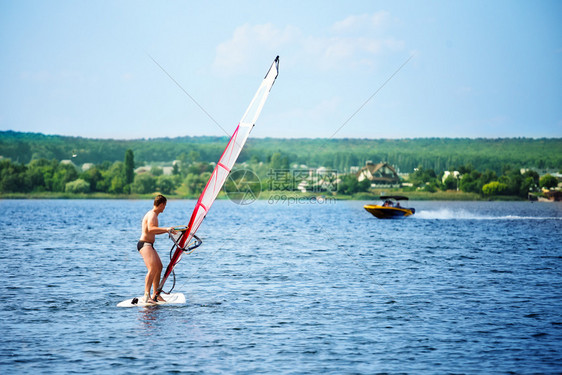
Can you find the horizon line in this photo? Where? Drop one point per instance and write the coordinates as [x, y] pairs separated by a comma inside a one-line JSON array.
[[272, 137]]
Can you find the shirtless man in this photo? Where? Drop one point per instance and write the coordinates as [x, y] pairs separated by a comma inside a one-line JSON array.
[[146, 248]]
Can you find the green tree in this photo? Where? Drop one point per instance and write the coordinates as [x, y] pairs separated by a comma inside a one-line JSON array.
[[534, 175], [548, 181], [199, 168], [165, 184], [40, 174], [465, 169], [113, 178], [494, 188], [195, 183], [470, 182], [93, 176], [12, 177], [117, 185], [279, 162], [103, 184], [450, 183], [422, 176], [487, 177], [77, 186], [193, 156], [431, 187], [514, 179], [129, 166], [528, 185], [156, 171], [144, 183], [350, 185], [63, 174]]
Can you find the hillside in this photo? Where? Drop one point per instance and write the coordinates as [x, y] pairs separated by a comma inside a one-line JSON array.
[[431, 153]]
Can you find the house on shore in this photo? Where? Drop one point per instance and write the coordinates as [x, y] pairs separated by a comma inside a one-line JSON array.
[[381, 174]]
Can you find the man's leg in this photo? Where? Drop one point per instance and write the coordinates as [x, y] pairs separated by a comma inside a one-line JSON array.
[[156, 280], [154, 267]]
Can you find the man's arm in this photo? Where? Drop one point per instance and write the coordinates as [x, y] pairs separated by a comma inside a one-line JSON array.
[[153, 227]]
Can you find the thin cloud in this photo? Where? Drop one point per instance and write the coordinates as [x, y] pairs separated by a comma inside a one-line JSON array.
[[362, 22], [341, 50], [247, 40]]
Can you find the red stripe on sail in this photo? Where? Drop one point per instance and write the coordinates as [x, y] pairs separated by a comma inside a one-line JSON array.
[[189, 236]]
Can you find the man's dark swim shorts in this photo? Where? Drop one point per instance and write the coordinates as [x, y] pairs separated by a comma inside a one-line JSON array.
[[140, 244]]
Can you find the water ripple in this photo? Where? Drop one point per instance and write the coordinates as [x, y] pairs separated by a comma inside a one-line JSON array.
[[472, 287]]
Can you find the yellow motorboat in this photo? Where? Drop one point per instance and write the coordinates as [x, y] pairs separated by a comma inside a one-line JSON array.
[[390, 208]]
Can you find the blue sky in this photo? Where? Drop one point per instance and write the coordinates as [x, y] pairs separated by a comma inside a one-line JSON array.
[[479, 68]]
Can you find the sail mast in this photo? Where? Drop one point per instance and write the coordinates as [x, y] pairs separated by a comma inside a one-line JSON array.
[[223, 167]]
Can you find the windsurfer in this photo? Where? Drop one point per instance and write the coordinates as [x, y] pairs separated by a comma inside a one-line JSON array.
[[146, 248]]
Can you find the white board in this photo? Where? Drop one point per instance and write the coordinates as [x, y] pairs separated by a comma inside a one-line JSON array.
[[171, 299]]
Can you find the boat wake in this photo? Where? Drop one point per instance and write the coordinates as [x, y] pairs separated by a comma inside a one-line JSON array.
[[448, 214]]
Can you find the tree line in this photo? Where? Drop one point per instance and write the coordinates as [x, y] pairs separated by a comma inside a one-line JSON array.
[[188, 178], [511, 181], [194, 162], [42, 175], [439, 154], [119, 177]]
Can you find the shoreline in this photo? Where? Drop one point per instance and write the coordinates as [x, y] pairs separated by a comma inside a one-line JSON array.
[[267, 195]]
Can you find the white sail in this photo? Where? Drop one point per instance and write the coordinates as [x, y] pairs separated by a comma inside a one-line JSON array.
[[225, 164], [231, 152]]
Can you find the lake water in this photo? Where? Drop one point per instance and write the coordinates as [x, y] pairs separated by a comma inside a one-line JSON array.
[[460, 287]]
